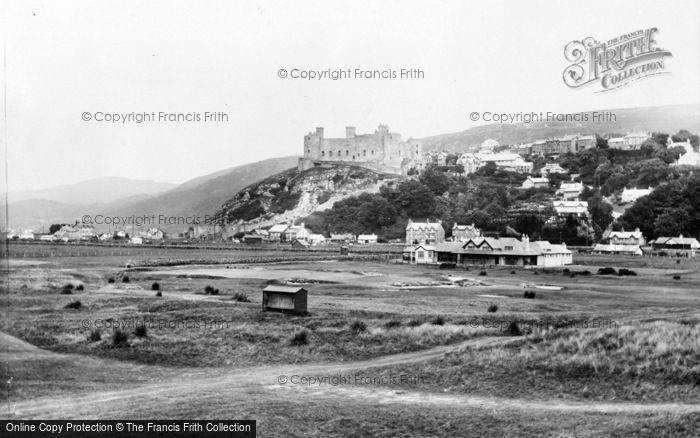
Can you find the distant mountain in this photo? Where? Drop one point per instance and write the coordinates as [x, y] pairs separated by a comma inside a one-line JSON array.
[[98, 190], [669, 119], [197, 197]]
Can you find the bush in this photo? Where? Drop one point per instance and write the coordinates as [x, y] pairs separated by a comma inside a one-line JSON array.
[[483, 273], [155, 286], [448, 265], [625, 271], [74, 305], [141, 331], [300, 338], [110, 280], [512, 272], [80, 287], [414, 323], [493, 308], [208, 289], [214, 292], [514, 329], [607, 271], [536, 273], [159, 294], [120, 338], [530, 294], [566, 270], [241, 297], [125, 279], [94, 336], [392, 323], [358, 326], [67, 289], [676, 277], [438, 320]]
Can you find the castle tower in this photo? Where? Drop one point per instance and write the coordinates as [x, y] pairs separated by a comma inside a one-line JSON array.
[[350, 132]]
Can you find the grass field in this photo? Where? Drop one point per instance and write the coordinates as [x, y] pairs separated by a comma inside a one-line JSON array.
[[599, 355]]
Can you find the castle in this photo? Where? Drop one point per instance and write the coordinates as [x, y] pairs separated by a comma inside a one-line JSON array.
[[382, 151]]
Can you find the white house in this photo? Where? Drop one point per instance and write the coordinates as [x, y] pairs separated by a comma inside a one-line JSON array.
[[367, 238], [424, 232], [506, 160], [276, 232], [570, 190], [690, 157], [631, 195], [552, 168], [136, 241], [609, 248], [536, 183], [420, 254], [296, 232], [316, 239], [564, 208], [506, 251]]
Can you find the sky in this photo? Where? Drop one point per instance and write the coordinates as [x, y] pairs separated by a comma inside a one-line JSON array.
[[64, 59]]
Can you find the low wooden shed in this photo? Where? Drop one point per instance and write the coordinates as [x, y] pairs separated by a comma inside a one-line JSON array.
[[284, 299]]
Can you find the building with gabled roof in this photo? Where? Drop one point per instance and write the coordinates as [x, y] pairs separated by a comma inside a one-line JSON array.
[[424, 232], [506, 251]]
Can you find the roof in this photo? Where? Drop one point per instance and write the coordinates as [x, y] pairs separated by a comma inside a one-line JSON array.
[[617, 248], [538, 180], [502, 245], [279, 228], [283, 289], [676, 241], [570, 204], [366, 236], [423, 225], [626, 234]]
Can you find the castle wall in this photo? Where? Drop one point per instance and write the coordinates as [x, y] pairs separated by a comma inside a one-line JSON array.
[[384, 151]]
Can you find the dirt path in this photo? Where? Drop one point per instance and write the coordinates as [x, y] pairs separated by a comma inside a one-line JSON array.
[[235, 387]]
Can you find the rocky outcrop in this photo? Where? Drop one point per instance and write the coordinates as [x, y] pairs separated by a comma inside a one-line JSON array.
[[294, 194]]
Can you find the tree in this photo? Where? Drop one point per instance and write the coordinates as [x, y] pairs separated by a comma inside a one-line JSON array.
[[416, 199], [55, 227], [600, 213], [435, 180]]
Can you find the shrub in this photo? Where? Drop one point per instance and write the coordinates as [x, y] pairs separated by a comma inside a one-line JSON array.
[[607, 271], [358, 326], [625, 271], [514, 329], [119, 338], [241, 297], [536, 273], [80, 287], [483, 273], [414, 323], [208, 289], [155, 286], [566, 270], [125, 279], [141, 331], [530, 294], [159, 294], [94, 336], [300, 338], [110, 280], [392, 323], [493, 308], [438, 320], [214, 292], [676, 277], [74, 305], [67, 289], [512, 272]]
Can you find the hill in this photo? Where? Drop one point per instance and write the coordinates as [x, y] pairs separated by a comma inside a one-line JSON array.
[[292, 195], [197, 197], [98, 190], [668, 119]]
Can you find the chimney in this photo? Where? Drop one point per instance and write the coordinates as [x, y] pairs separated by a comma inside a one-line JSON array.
[[319, 131], [526, 241], [349, 132]]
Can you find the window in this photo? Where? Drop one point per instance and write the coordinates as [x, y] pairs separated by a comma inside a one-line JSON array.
[[323, 153], [347, 152], [419, 254], [372, 152], [330, 153], [509, 248], [364, 153], [340, 154]]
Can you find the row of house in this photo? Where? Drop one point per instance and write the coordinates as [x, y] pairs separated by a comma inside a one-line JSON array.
[[291, 233]]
